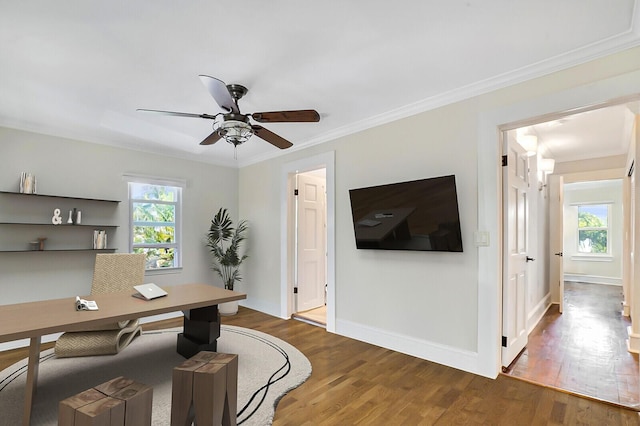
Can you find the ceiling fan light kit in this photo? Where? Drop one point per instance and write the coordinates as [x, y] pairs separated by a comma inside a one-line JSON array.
[[234, 132], [235, 127]]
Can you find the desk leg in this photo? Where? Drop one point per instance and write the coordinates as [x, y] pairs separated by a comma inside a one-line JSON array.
[[200, 332], [32, 379]]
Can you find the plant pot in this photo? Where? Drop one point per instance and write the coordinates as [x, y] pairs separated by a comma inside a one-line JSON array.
[[228, 308]]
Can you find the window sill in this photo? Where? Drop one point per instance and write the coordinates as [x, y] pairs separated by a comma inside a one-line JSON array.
[[592, 258], [163, 271]]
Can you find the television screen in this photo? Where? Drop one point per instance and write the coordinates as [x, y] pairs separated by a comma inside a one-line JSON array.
[[416, 215]]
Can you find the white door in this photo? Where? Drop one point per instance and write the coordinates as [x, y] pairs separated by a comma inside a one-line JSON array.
[[311, 253], [556, 237], [515, 222], [631, 286]]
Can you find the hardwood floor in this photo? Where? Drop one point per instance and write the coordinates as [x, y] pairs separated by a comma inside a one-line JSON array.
[[316, 316], [583, 350], [356, 383]]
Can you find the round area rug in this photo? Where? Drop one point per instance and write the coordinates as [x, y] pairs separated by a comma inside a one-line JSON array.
[[267, 369]]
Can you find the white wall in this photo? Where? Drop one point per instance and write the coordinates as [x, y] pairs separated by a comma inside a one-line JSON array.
[[577, 266], [73, 168], [539, 294], [438, 306]]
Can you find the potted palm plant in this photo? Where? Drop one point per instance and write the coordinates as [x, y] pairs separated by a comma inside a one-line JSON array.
[[224, 242]]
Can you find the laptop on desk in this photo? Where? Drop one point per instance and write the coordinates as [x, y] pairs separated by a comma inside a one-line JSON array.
[[148, 291]]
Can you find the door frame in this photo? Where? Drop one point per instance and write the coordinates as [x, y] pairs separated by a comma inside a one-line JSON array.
[[287, 232], [556, 226], [557, 188], [490, 123]]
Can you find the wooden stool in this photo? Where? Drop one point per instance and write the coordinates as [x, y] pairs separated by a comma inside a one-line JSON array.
[[205, 387], [119, 401]]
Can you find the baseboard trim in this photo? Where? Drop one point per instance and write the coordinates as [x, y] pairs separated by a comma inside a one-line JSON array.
[[633, 343], [262, 306], [538, 312], [593, 279], [442, 354]]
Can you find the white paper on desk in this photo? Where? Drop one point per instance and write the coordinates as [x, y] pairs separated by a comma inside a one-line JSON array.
[[85, 305]]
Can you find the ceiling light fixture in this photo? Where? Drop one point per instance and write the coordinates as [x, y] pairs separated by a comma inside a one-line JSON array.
[[546, 165], [235, 129], [235, 132]]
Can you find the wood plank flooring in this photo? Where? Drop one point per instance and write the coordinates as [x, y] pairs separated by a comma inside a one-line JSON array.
[[583, 350], [316, 316], [354, 383]]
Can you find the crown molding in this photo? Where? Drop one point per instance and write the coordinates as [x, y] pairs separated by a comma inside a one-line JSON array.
[[615, 44]]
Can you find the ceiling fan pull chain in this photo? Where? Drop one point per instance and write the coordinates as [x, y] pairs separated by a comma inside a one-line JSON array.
[[235, 152]]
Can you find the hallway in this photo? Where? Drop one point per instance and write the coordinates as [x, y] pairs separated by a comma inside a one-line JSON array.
[[583, 350]]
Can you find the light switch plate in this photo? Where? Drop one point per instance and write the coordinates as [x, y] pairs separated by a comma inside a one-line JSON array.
[[481, 238]]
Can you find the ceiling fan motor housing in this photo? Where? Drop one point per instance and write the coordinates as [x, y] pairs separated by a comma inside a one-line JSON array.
[[237, 91]]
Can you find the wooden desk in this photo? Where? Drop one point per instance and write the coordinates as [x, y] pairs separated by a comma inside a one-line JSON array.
[[35, 319]]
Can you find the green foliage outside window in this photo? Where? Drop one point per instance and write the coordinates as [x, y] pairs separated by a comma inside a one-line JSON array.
[[157, 258], [154, 223], [592, 229]]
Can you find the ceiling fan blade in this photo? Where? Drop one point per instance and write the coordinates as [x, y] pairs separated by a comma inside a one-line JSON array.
[[179, 114], [299, 116], [271, 137], [211, 139], [220, 93]]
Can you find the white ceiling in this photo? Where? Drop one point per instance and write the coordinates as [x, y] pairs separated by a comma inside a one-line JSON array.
[[79, 69], [600, 132]]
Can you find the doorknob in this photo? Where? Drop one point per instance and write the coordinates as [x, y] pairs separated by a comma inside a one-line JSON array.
[[530, 259], [558, 254]]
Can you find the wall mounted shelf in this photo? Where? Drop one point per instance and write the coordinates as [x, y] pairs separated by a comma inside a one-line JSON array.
[[64, 197], [61, 250], [28, 211], [62, 225]]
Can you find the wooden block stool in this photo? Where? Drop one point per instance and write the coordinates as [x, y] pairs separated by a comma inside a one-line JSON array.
[[119, 401], [205, 387]]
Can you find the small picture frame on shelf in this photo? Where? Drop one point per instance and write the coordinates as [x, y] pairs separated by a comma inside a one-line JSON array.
[[99, 239], [28, 183]]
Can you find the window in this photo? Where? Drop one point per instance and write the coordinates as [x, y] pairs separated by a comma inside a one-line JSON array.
[[593, 228], [155, 209]]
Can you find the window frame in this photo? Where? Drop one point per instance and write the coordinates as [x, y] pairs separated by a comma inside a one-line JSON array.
[[177, 244], [593, 228]]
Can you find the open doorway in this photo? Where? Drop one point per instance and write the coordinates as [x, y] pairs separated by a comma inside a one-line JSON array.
[[310, 253], [544, 359], [319, 263]]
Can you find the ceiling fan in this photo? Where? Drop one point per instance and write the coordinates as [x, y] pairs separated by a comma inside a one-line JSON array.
[[234, 126]]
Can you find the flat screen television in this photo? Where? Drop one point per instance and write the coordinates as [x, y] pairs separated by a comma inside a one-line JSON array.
[[415, 215]]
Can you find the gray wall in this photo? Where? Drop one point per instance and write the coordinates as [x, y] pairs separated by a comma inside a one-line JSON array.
[[80, 169], [439, 306]]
